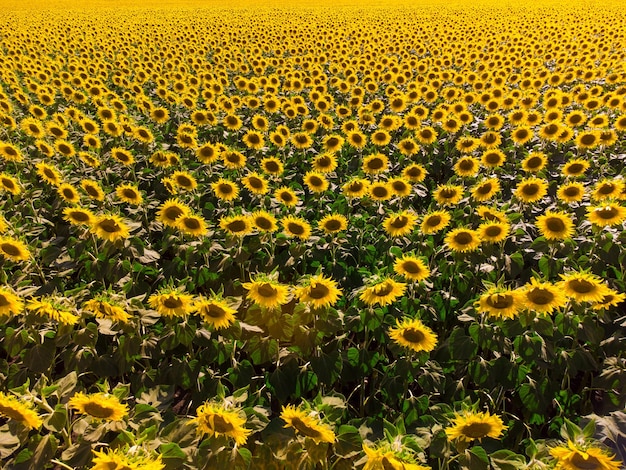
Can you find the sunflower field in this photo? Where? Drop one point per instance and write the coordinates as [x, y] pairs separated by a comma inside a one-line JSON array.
[[330, 235]]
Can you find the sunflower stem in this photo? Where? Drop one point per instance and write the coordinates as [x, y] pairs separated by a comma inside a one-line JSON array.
[[61, 464]]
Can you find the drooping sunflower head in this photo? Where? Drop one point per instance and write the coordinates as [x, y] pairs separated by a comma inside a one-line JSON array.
[[100, 406], [17, 410], [499, 302], [307, 424], [215, 311], [584, 456], [413, 334], [583, 287], [541, 297], [383, 292], [318, 291], [216, 419], [333, 223], [470, 426], [463, 240]]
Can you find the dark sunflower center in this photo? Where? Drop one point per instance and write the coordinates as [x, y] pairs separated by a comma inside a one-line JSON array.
[[271, 166], [588, 139], [303, 428], [383, 290], [400, 221], [222, 426], [375, 164], [492, 158], [254, 139], [408, 145], [463, 238], [225, 188], [534, 162], [286, 197], [399, 186], [129, 193], [500, 301], [173, 213], [237, 226], [356, 187], [606, 213], [267, 290], [183, 181], [98, 411], [572, 192], [380, 191], [521, 133], [555, 225], [255, 182], [414, 172], [575, 168], [581, 286], [592, 463], [49, 173], [263, 223], [540, 296], [110, 226], [411, 267], [426, 134], [484, 188], [433, 221], [606, 188], [4, 301], [493, 231], [448, 193], [191, 223], [315, 181], [476, 430], [173, 302], [466, 165], [79, 216], [530, 189], [332, 225], [551, 129], [295, 228], [380, 137], [356, 139], [12, 413], [215, 311], [7, 183], [324, 162], [318, 291], [413, 335]]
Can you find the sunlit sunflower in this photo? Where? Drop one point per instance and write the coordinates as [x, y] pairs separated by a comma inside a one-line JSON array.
[[531, 189], [233, 159], [434, 222], [413, 334], [411, 268], [469, 426], [10, 302], [68, 193], [316, 182], [357, 187], [253, 140], [386, 458], [170, 211], [100, 406], [170, 302], [267, 292], [408, 147], [415, 173], [448, 194], [125, 157], [79, 216], [485, 189], [121, 459], [610, 299], [236, 225], [307, 424], [103, 307], [578, 456], [9, 184], [467, 166], [218, 420], [555, 225], [129, 193], [493, 158], [333, 223], [272, 166], [583, 287], [463, 240], [14, 249], [286, 196], [263, 221], [325, 162], [534, 162], [374, 164], [494, 231], [192, 224], [499, 303], [383, 292], [255, 183], [541, 297], [49, 173], [207, 153], [575, 167], [296, 227], [426, 135], [184, 180], [588, 139], [571, 192], [17, 410], [318, 291], [10, 152], [333, 143], [52, 308], [400, 223], [608, 189], [356, 139], [608, 214], [215, 311], [225, 190], [110, 227]]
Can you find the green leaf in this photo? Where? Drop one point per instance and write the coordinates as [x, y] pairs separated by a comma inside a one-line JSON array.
[[462, 347], [9, 443], [477, 458], [245, 455], [57, 419]]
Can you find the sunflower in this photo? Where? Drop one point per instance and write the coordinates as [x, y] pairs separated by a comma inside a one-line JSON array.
[[10, 303], [325, 162], [50, 308], [206, 153], [499, 303], [494, 231], [588, 139], [578, 456], [531, 189], [17, 410], [255, 183], [233, 159], [232, 122], [426, 135], [467, 144], [408, 147], [448, 194], [575, 167], [555, 225], [103, 307], [10, 152], [414, 335], [192, 224], [170, 211], [217, 420], [383, 292], [485, 189], [610, 299], [463, 240], [399, 224], [380, 191], [333, 223], [296, 227], [318, 291], [522, 134], [122, 459], [411, 268], [469, 426], [267, 292], [307, 424], [534, 162], [357, 187], [49, 173], [583, 287], [434, 222], [316, 182], [493, 158], [89, 159], [184, 180], [9, 184], [79, 216], [380, 138], [286, 196], [253, 140], [68, 193], [272, 166], [608, 189], [375, 164], [101, 406], [236, 225], [467, 166], [123, 156], [356, 139], [129, 193], [14, 249], [415, 173], [541, 297], [608, 214], [400, 186], [110, 227], [215, 312], [170, 302], [571, 192], [225, 190], [386, 458], [263, 221]]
